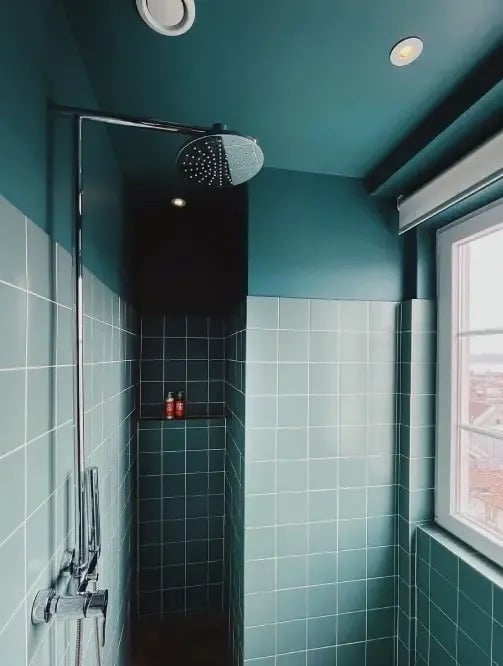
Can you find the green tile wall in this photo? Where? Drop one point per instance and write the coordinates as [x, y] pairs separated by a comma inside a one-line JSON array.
[[415, 471], [180, 516], [320, 494], [182, 354], [36, 447], [235, 351], [459, 604]]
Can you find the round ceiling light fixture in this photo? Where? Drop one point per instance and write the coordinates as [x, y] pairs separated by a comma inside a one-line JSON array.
[[406, 51], [168, 17], [178, 202]]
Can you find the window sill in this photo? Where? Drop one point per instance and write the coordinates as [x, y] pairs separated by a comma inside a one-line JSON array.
[[471, 557]]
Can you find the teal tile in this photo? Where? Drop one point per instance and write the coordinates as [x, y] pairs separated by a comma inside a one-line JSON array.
[[12, 408], [353, 347], [353, 410], [322, 505], [443, 629], [351, 627], [12, 327], [292, 411], [323, 378], [40, 262], [351, 655], [380, 531], [352, 596], [323, 474], [469, 653], [381, 561], [382, 316], [324, 315], [12, 244], [261, 345], [354, 315], [292, 378], [475, 623], [291, 572], [380, 623], [381, 470], [259, 642], [322, 600], [321, 632], [292, 475], [352, 565], [41, 466], [475, 586], [323, 442], [262, 312], [13, 640], [444, 595], [294, 313], [497, 643], [323, 347], [322, 657], [352, 534], [11, 560], [352, 503], [425, 552], [322, 568], [260, 478], [498, 604], [352, 472], [260, 543], [323, 537], [292, 508], [293, 346], [380, 592], [259, 609], [292, 443], [262, 379], [12, 483], [292, 540], [292, 604], [291, 637]]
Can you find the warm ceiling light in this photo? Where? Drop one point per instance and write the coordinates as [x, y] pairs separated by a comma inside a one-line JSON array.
[[406, 51], [178, 202]]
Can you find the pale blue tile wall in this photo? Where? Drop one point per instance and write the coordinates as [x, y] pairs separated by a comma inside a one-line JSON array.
[[320, 460], [36, 442]]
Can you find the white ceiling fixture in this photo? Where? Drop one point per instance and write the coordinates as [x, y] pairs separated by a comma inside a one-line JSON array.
[[178, 202], [406, 51], [168, 17]]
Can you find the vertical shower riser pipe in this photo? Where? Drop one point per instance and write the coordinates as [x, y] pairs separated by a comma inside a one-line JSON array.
[[81, 555]]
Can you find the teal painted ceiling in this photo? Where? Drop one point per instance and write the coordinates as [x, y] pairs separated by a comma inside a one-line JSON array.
[[311, 81]]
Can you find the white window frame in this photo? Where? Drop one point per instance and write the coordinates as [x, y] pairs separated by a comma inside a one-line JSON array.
[[448, 240]]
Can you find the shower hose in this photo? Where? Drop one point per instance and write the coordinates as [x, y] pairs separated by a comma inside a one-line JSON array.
[[79, 641]]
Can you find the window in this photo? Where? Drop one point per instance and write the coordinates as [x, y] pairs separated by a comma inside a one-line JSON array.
[[469, 487]]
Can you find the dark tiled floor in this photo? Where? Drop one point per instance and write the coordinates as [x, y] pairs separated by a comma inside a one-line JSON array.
[[196, 641]]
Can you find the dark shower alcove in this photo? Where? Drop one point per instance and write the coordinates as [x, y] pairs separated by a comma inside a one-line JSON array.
[[191, 277]]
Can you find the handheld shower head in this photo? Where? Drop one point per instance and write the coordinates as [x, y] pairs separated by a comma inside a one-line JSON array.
[[220, 158]]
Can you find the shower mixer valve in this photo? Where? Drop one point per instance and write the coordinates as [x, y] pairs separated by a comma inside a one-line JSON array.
[[79, 603]]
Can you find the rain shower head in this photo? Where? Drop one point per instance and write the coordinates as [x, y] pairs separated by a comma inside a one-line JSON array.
[[220, 158]]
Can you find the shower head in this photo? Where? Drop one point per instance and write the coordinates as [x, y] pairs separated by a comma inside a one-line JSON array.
[[220, 158]]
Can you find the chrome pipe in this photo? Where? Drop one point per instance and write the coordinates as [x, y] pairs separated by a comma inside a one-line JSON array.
[[81, 546], [132, 121]]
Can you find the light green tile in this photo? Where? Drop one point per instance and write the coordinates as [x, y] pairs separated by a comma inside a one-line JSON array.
[[260, 510], [292, 443], [292, 411], [323, 410], [260, 412], [293, 378], [261, 379], [12, 327], [41, 469], [40, 262], [322, 505], [354, 315], [292, 475], [324, 347], [322, 568], [291, 636], [260, 478], [322, 600], [260, 543], [352, 534], [12, 407], [292, 508], [321, 632], [292, 571], [382, 347], [324, 315], [259, 609], [294, 314], [353, 347], [323, 442], [382, 316], [13, 640], [352, 503], [259, 641], [261, 346], [12, 482], [12, 244], [12, 561], [353, 377], [292, 604], [323, 537], [293, 346], [352, 596], [261, 312], [260, 444], [292, 540], [323, 474], [324, 378], [259, 575]]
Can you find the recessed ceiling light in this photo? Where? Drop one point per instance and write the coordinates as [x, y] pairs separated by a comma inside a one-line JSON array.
[[178, 202], [406, 51], [168, 17]]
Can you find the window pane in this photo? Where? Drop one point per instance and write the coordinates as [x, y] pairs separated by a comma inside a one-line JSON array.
[[482, 265], [481, 381], [480, 488]]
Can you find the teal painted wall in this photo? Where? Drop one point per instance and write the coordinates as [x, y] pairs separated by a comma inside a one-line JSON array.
[[315, 236], [40, 65]]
